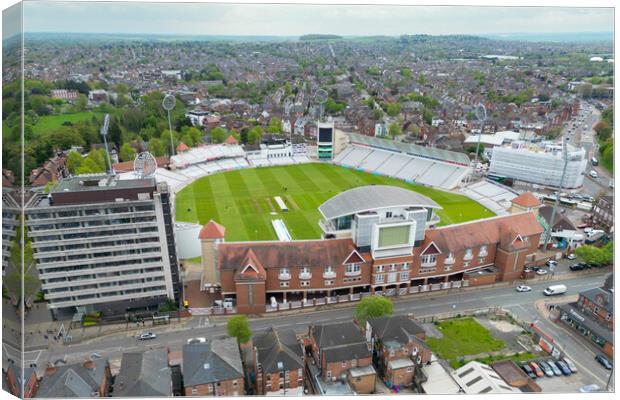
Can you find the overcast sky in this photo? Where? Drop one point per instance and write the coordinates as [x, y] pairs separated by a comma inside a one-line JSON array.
[[259, 19]]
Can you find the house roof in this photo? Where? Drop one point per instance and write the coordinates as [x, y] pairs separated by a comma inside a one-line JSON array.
[[311, 253], [560, 221], [212, 230], [340, 341], [397, 328], [481, 232], [74, 380], [251, 269], [182, 147], [601, 297], [213, 361], [372, 197], [526, 200], [478, 378], [509, 371], [144, 374], [278, 346], [231, 140]]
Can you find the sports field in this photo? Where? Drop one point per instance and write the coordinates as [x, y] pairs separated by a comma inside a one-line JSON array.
[[242, 200], [48, 122]]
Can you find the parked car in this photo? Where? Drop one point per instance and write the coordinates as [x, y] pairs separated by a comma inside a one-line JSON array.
[[552, 263], [546, 368], [571, 256], [542, 272], [570, 364], [563, 367], [523, 288], [603, 361], [529, 371], [196, 340], [593, 174], [590, 388], [539, 373], [147, 336], [556, 370], [577, 267]]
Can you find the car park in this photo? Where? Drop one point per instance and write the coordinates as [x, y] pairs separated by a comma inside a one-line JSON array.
[[570, 364], [523, 288], [546, 368], [147, 336], [603, 361], [539, 373]]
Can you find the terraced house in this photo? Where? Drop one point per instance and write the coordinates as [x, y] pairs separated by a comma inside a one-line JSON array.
[[377, 239]]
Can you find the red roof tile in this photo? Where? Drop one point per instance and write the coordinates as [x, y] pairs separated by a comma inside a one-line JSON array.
[[231, 140], [527, 200], [182, 147], [212, 230]]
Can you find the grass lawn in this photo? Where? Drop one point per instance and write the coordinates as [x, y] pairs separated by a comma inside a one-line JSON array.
[[48, 122], [242, 200], [463, 336]]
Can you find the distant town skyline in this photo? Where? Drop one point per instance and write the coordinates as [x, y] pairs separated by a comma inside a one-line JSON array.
[[300, 19]]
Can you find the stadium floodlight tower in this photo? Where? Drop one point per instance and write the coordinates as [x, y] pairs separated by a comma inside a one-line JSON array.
[[481, 114], [104, 133], [144, 165], [168, 104], [325, 130]]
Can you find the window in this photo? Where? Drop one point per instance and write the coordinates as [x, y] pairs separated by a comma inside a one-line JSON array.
[[329, 374], [329, 270], [388, 214], [303, 283], [344, 363], [483, 251], [299, 372], [353, 269], [392, 268], [380, 268], [607, 317], [447, 267], [391, 353], [329, 283], [466, 264], [409, 369], [379, 278], [404, 276], [404, 266], [391, 277], [429, 259], [235, 383], [596, 310], [194, 390], [284, 284], [354, 363], [284, 271], [468, 254]]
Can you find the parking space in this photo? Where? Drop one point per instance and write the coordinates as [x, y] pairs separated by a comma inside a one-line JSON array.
[[562, 383]]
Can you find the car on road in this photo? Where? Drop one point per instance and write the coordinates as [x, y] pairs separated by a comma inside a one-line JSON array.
[[571, 256], [591, 388], [196, 340], [570, 364], [542, 272], [603, 361], [546, 368], [539, 372], [523, 288], [147, 336], [529, 371], [593, 174]]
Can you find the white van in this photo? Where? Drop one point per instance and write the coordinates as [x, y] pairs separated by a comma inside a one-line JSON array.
[[555, 290]]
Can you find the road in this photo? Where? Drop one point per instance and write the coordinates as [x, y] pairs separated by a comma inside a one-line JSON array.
[[521, 304]]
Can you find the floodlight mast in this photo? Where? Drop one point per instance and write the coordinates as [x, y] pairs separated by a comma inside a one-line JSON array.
[[481, 113], [168, 104], [557, 196], [104, 133]]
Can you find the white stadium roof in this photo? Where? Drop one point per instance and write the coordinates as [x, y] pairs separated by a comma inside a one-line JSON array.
[[367, 198]]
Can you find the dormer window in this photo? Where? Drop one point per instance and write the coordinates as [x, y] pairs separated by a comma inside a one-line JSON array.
[[483, 251], [469, 254]]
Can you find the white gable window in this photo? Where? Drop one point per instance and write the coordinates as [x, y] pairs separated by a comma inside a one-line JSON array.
[[352, 269], [429, 259]]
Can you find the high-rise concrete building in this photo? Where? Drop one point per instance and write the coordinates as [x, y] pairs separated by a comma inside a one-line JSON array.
[[105, 244], [540, 164]]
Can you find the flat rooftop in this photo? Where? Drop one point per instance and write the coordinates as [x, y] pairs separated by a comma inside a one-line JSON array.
[[97, 182]]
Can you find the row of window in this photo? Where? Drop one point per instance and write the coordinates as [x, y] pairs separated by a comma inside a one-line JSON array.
[[349, 269]]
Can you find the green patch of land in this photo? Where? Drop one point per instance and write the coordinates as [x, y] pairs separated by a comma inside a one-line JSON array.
[[242, 200], [461, 337], [49, 122]]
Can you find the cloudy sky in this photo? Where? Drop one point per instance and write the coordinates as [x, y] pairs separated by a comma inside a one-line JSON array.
[[288, 19]]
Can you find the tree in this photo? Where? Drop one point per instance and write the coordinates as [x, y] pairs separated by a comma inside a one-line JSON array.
[[406, 72], [218, 135], [394, 130], [81, 102], [377, 114], [275, 125], [422, 79], [238, 327], [427, 115], [127, 152], [254, 135], [594, 255], [372, 307], [74, 161], [156, 147], [393, 109]]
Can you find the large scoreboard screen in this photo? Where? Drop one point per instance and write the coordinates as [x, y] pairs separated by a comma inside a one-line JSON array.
[[325, 134]]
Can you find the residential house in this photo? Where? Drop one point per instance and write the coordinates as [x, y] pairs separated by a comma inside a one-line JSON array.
[[340, 353], [145, 374], [278, 363], [603, 213], [88, 379], [213, 368], [398, 344], [477, 378]]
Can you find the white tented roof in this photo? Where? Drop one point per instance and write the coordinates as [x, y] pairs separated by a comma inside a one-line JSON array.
[[478, 378]]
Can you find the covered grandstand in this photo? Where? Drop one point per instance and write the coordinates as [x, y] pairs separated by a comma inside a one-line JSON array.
[[409, 162]]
